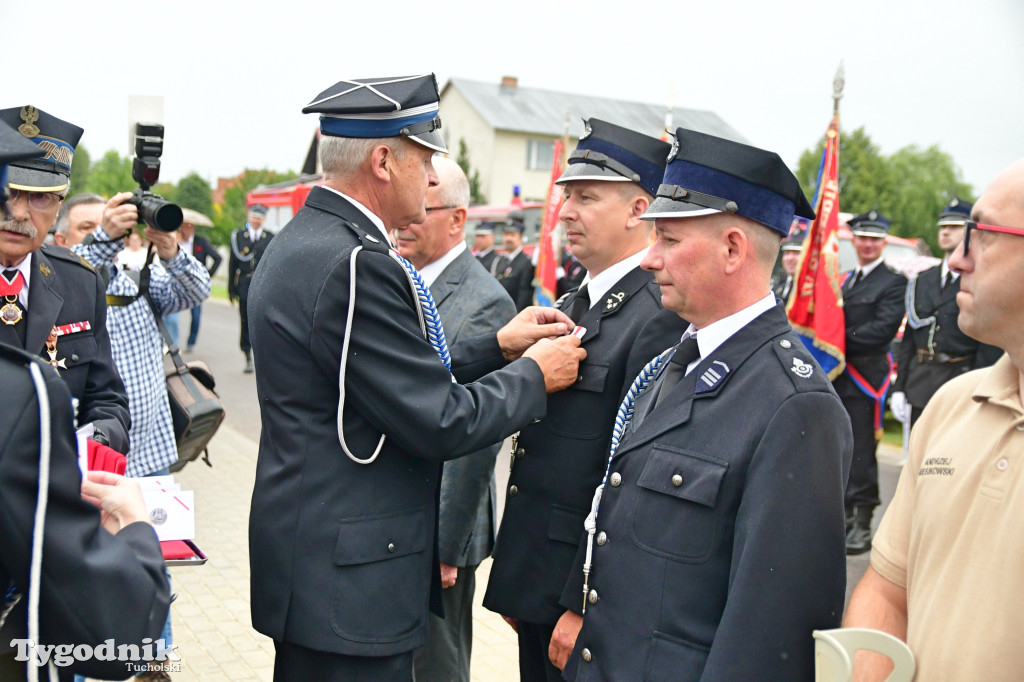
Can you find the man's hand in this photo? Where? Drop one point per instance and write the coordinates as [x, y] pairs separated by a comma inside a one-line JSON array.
[[119, 218], [165, 243], [512, 623], [118, 498], [528, 327], [559, 360], [563, 639], [449, 574]]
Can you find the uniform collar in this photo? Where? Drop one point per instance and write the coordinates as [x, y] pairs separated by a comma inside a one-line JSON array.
[[1000, 386], [869, 268], [715, 334], [367, 212], [598, 286]]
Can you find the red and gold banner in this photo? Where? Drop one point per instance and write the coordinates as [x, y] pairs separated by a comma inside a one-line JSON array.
[[816, 307], [547, 259]]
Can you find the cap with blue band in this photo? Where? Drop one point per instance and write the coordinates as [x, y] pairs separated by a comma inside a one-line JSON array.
[[55, 142], [608, 152]]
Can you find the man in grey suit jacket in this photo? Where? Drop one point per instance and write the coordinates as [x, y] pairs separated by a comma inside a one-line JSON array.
[[471, 303]]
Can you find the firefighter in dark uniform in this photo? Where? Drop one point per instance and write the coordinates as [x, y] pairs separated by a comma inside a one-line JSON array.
[[934, 350], [483, 246], [609, 182], [247, 246], [515, 269], [792, 245], [873, 307], [718, 538], [54, 303]]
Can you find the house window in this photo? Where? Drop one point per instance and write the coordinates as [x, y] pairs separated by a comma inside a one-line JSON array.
[[539, 154]]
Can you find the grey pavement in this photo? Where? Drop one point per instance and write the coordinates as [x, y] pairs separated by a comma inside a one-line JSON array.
[[210, 617]]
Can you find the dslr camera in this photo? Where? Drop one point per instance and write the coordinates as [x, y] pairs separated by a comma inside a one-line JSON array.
[[154, 210]]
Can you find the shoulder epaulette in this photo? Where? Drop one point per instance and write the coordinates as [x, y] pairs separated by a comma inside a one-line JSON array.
[[64, 254]]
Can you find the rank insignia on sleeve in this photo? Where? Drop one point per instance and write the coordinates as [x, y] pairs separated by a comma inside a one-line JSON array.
[[802, 369]]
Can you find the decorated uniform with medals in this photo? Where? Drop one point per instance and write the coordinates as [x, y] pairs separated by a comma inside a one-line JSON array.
[[60, 295], [358, 412], [717, 541], [557, 463], [247, 246]]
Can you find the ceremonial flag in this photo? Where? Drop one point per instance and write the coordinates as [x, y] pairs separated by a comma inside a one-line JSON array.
[[816, 307], [547, 260]]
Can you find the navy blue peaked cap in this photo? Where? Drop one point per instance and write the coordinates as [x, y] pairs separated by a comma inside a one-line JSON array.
[[406, 106], [56, 140], [795, 240], [707, 175], [484, 228], [870, 224], [13, 147], [613, 153], [956, 212]]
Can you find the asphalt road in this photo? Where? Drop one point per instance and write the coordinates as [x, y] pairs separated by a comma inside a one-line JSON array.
[[218, 347]]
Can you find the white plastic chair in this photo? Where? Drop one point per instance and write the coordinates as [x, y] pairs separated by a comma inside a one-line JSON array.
[[834, 649]]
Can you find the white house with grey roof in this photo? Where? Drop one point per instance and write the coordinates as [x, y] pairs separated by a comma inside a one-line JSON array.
[[510, 131]]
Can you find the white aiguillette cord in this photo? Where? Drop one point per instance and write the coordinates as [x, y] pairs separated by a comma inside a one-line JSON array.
[[430, 325], [622, 419]]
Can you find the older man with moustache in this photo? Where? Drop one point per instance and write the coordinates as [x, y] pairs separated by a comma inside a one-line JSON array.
[[358, 405], [944, 564], [471, 303]]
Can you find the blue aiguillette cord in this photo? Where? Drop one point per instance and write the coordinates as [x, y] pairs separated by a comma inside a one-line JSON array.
[[622, 420]]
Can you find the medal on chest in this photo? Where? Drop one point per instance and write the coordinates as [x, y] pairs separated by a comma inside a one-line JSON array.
[[11, 313], [51, 350]]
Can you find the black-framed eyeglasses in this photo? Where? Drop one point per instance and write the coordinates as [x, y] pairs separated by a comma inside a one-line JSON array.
[[970, 226], [440, 208], [40, 201]]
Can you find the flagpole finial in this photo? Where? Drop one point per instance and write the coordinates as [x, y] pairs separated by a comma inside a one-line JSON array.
[[837, 88]]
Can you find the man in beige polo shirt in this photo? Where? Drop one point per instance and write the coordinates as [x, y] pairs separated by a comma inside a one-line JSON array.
[[947, 560]]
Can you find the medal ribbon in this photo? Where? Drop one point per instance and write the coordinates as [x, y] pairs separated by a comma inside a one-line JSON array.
[[72, 328], [11, 288]]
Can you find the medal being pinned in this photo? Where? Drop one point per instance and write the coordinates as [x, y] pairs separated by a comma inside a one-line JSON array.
[[10, 287], [51, 350]]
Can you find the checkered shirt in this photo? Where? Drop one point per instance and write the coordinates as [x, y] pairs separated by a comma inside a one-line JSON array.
[[137, 345]]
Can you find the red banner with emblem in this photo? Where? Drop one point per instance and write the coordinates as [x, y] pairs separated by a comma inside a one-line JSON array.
[[547, 259], [816, 307]]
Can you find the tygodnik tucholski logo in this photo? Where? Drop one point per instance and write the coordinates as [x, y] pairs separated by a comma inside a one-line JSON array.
[[135, 657]]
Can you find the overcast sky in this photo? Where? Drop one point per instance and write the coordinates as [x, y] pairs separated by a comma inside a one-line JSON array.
[[235, 76]]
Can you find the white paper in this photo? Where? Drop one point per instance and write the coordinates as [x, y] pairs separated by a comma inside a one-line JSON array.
[[83, 435], [171, 513]]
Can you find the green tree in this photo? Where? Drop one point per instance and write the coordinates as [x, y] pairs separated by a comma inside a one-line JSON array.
[[475, 196], [910, 187], [194, 193], [231, 214], [80, 170], [167, 190], [110, 175]]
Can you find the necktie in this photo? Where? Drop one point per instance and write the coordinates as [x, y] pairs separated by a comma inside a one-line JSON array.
[[12, 308], [945, 279], [686, 352], [580, 305], [854, 278], [785, 289]]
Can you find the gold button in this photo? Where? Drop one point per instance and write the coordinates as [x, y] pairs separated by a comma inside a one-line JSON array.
[[677, 480], [391, 547], [602, 538], [585, 654], [616, 479], [513, 491], [592, 596]]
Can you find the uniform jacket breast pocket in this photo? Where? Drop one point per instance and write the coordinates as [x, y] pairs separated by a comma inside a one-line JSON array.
[[675, 515], [77, 351], [584, 401], [382, 575]]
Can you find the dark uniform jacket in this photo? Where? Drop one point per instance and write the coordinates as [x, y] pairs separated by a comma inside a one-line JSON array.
[[344, 555], [780, 290], [516, 275], [243, 258], [488, 259], [722, 535], [874, 310], [203, 251], [65, 289], [95, 586], [941, 338], [471, 303], [560, 460]]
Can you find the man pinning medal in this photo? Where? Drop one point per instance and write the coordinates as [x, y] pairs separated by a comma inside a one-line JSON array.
[[247, 246]]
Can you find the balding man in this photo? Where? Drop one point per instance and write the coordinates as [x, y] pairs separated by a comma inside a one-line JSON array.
[[471, 303], [719, 539], [358, 406], [944, 562]]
